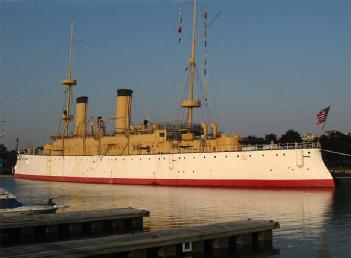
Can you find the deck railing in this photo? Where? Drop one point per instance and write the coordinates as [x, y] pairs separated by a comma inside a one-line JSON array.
[[240, 148], [258, 147]]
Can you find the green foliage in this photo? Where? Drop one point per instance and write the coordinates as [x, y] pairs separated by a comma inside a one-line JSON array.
[[338, 142], [334, 141], [291, 136], [9, 157], [271, 137], [252, 140]]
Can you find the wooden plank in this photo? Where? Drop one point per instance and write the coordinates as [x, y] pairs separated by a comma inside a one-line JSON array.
[[129, 242], [70, 217]]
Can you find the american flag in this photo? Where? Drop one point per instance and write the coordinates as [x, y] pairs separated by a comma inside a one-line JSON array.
[[321, 117]]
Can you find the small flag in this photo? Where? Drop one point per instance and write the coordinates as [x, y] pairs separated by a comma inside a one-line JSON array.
[[205, 55], [321, 117], [180, 26], [180, 30]]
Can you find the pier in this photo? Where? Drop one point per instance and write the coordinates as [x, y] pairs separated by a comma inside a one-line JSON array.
[[61, 226], [237, 238]]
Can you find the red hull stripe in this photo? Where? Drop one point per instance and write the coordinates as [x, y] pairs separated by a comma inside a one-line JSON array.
[[186, 182]]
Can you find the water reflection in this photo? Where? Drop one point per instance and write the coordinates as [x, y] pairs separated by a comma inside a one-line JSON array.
[[177, 206], [305, 215]]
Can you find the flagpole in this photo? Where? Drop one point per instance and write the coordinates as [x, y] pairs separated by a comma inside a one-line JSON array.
[[322, 128], [325, 121]]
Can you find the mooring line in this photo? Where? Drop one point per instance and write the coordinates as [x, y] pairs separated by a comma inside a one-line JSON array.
[[335, 152]]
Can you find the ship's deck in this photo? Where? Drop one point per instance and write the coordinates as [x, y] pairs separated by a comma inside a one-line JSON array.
[[241, 148]]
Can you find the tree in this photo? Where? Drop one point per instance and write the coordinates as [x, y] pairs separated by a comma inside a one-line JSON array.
[[8, 159], [252, 140], [270, 137], [338, 142], [290, 136]]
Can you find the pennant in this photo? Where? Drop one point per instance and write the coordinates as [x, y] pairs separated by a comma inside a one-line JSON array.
[[180, 30]]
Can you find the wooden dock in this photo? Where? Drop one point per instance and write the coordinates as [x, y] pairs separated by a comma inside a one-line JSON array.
[[233, 237], [69, 225]]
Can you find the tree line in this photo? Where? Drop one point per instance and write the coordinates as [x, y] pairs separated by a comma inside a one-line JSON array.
[[332, 140], [290, 136]]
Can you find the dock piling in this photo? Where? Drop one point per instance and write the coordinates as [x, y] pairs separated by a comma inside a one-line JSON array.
[[167, 251], [215, 240], [71, 225]]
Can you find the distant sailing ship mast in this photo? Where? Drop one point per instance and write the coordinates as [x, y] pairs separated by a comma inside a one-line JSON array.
[[191, 103], [2, 132], [68, 83]]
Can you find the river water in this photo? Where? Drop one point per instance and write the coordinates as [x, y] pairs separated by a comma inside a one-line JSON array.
[[314, 223]]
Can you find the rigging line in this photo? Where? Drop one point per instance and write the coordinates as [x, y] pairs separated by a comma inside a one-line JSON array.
[[168, 91], [214, 19], [39, 107], [33, 119], [34, 125], [199, 84], [63, 109], [163, 55], [183, 96], [335, 152], [51, 110], [206, 108]]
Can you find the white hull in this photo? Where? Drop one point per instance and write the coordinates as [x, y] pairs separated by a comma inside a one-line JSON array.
[[267, 168]]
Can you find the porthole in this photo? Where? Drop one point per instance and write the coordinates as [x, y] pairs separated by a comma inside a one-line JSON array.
[[226, 156], [237, 156], [215, 157], [184, 157], [309, 152], [179, 157], [204, 156], [249, 155], [262, 155], [276, 154], [283, 154]]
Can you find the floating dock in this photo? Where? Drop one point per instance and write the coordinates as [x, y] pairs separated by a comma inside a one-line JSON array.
[[70, 225], [237, 238]]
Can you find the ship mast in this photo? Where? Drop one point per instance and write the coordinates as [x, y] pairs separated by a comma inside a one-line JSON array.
[[190, 103], [68, 84]]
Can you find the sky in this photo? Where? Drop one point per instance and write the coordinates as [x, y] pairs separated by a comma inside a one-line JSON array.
[[272, 65]]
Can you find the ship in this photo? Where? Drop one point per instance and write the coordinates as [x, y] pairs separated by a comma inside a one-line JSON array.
[[180, 153]]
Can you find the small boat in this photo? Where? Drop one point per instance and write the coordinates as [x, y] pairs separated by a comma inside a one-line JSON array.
[[10, 206]]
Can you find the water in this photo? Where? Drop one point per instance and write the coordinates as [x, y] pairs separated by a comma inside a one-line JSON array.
[[314, 223]]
